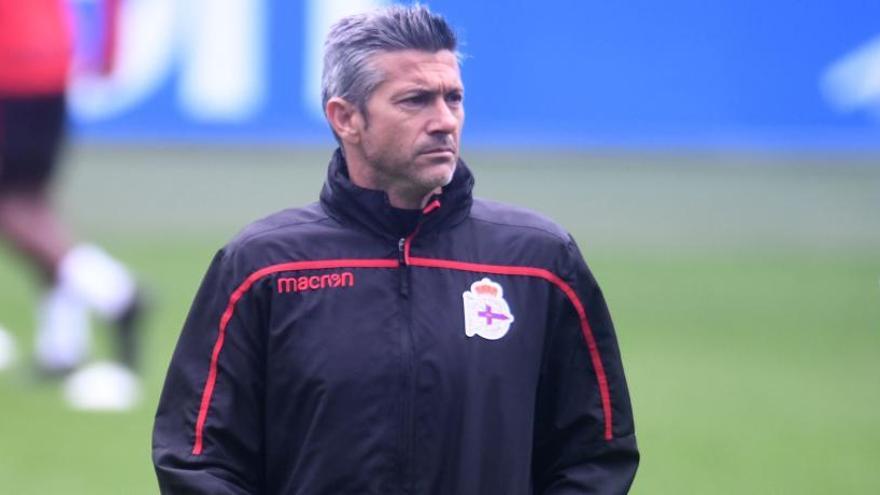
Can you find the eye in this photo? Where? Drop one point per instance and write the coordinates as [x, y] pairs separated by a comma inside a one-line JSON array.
[[455, 97], [417, 99]]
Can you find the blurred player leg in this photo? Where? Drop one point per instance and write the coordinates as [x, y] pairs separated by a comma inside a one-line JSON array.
[[29, 140], [79, 277]]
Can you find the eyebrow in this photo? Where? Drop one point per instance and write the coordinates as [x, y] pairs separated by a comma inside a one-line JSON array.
[[420, 89]]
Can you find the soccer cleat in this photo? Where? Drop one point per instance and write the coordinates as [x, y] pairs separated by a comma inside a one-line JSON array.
[[102, 386]]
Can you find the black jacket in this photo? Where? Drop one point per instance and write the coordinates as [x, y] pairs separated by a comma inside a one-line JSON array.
[[343, 348]]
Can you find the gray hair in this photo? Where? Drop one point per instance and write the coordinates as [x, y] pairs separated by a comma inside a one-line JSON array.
[[354, 40]]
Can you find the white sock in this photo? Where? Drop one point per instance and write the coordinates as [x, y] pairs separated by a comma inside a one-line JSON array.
[[63, 334], [97, 279]]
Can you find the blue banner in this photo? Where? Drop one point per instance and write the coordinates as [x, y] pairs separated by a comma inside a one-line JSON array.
[[685, 73]]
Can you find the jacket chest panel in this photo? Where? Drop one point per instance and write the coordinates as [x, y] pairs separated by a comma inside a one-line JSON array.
[[350, 327], [337, 332], [491, 321]]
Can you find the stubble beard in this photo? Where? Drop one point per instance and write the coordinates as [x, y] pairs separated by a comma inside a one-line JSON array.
[[435, 177], [410, 177]]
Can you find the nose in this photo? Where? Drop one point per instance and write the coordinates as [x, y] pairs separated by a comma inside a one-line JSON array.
[[444, 118]]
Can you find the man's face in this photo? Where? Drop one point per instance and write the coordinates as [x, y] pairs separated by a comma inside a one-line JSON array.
[[410, 139]]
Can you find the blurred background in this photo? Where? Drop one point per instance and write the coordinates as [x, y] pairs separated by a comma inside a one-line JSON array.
[[718, 162]]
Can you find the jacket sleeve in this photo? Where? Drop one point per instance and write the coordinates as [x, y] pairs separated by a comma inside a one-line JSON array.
[[222, 454], [584, 435]]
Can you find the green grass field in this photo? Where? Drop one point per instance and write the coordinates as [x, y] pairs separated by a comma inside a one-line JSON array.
[[745, 290]]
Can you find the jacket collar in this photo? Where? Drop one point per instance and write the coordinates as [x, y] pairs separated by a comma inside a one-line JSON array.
[[371, 209]]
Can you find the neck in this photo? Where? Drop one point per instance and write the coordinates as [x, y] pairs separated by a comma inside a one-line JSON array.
[[414, 202]]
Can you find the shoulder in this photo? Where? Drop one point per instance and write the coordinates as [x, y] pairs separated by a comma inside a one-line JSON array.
[[291, 221], [276, 237], [522, 221], [519, 236], [531, 238]]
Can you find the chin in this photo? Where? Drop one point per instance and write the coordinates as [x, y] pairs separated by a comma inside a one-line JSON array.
[[444, 176], [435, 173]]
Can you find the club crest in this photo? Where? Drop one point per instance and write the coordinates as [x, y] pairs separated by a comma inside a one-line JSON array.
[[486, 313]]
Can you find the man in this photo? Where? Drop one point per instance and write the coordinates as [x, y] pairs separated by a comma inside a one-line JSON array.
[[399, 336], [35, 53]]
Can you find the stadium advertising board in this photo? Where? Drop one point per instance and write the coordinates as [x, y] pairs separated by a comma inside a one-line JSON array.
[[570, 73]]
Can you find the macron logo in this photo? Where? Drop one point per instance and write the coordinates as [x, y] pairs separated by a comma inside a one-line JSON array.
[[315, 282]]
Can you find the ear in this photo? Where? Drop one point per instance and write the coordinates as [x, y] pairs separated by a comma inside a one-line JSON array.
[[345, 119]]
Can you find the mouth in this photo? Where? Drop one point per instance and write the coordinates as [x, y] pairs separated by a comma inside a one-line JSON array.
[[439, 150]]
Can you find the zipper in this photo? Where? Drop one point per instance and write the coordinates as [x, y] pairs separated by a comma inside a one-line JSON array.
[[404, 268], [408, 378], [408, 382], [408, 347]]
